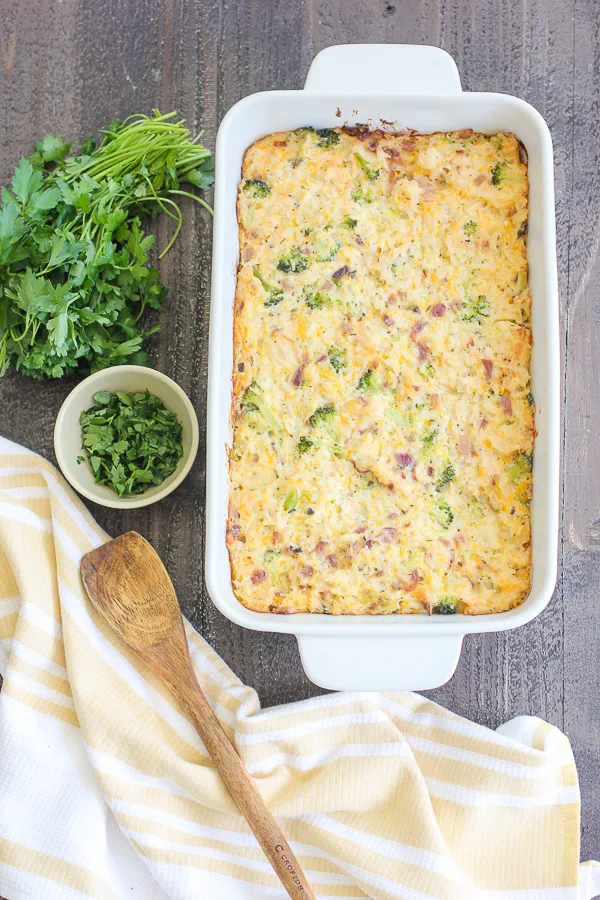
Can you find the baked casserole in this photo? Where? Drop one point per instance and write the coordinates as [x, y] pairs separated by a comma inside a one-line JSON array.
[[382, 413]]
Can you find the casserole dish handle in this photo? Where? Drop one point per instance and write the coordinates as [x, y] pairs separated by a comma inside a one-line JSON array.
[[383, 69], [408, 663]]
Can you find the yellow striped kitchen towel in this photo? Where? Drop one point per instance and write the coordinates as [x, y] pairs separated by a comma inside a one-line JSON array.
[[106, 791]]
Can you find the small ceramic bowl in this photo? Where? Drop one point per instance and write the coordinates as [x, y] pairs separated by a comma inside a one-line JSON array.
[[67, 432]]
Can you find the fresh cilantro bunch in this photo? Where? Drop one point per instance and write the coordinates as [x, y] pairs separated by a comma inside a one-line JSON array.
[[131, 441], [74, 272]]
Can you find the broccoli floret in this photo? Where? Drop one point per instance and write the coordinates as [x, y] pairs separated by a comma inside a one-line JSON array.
[[474, 309], [275, 297], [369, 383], [446, 475], [271, 560], [293, 261], [304, 445], [324, 417], [442, 514], [428, 437], [499, 172], [254, 401], [427, 369], [446, 606], [326, 251], [326, 138], [470, 228], [520, 468], [256, 187], [316, 300], [337, 358], [371, 172], [275, 294], [359, 195], [349, 223]]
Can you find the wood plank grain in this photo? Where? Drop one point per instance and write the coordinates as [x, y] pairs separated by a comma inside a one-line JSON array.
[[581, 530], [66, 67]]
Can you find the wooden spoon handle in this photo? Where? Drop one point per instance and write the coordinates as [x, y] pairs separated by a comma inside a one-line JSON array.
[[242, 789]]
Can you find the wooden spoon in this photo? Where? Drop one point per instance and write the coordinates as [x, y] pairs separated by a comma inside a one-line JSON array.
[[130, 588]]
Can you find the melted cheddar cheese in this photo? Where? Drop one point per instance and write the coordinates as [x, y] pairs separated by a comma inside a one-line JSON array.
[[382, 414]]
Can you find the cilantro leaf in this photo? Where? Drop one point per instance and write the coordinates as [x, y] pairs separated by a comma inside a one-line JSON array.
[[25, 181]]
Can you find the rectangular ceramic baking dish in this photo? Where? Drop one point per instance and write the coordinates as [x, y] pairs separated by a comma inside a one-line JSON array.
[[396, 87]]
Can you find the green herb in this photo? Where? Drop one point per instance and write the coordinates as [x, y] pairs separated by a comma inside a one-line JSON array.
[[349, 223], [470, 228], [371, 172], [275, 294], [256, 187], [74, 272], [293, 261], [131, 441], [499, 173], [337, 358]]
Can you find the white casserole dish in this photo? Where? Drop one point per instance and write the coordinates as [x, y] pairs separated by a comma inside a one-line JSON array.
[[418, 88]]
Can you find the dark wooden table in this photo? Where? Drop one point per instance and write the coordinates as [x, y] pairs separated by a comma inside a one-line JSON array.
[[70, 67]]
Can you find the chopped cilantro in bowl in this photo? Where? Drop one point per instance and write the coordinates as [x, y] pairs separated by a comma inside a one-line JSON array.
[[131, 441], [101, 441]]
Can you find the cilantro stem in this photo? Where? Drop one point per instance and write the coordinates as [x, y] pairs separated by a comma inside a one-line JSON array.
[[196, 198]]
